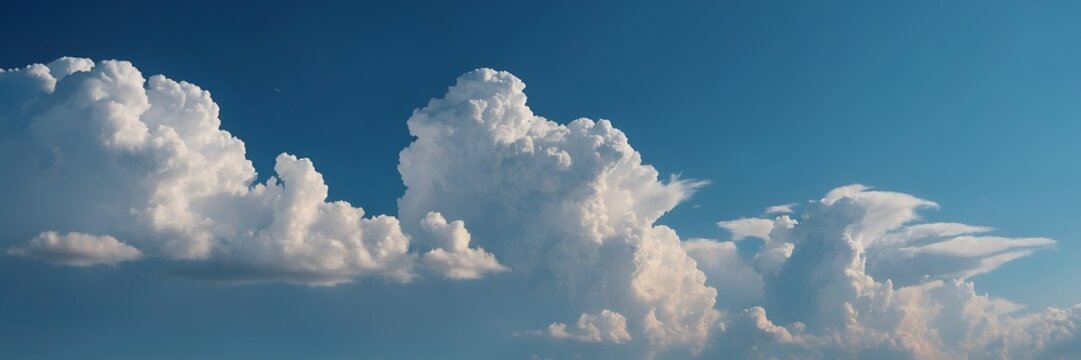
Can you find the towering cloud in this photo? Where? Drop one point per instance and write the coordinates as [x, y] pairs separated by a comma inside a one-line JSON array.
[[103, 166], [572, 200], [862, 281], [96, 148]]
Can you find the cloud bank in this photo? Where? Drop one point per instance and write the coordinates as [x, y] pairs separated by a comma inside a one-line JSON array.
[[96, 148], [105, 166]]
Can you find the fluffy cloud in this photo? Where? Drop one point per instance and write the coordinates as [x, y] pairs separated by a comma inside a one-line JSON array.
[[573, 201], [453, 257], [99, 149], [95, 148], [725, 269], [748, 227], [873, 285], [77, 249], [607, 326]]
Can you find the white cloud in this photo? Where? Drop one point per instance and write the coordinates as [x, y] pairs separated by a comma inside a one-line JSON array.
[[974, 246], [607, 326], [573, 201], [94, 148], [872, 285], [452, 257], [737, 281], [77, 249], [97, 148], [781, 209], [299, 237], [933, 231], [748, 227]]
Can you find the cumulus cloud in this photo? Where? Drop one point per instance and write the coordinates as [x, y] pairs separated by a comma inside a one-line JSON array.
[[572, 201], [77, 249], [96, 148], [453, 258], [607, 326], [873, 283], [726, 270]]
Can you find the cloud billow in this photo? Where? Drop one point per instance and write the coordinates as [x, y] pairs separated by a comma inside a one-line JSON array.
[[571, 200], [105, 166], [834, 294], [96, 148]]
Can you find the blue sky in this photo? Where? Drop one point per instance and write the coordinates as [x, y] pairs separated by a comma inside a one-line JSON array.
[[970, 104]]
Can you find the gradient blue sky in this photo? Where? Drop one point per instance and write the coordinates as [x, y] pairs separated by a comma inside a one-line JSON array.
[[973, 104]]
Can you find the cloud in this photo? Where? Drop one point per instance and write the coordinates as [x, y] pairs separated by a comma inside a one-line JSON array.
[[452, 257], [77, 249], [872, 284], [781, 209], [306, 239], [96, 148], [748, 227], [727, 271], [607, 326], [910, 233], [571, 204], [973, 246]]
